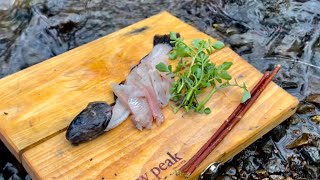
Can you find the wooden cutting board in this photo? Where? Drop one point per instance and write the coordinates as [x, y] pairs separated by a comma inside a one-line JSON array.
[[38, 103]]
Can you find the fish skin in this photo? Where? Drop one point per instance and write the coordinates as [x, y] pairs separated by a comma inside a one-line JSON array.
[[120, 113], [89, 123]]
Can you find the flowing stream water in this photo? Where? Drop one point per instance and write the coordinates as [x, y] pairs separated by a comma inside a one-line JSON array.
[[264, 32]]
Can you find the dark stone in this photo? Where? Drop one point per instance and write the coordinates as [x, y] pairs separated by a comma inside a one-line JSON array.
[[268, 147], [254, 176], [314, 99], [15, 177], [289, 84], [262, 173], [224, 178], [306, 108], [243, 174], [28, 177], [276, 177], [251, 164], [295, 163], [9, 170], [278, 132], [234, 177], [311, 154], [275, 165], [294, 119], [230, 170], [312, 171]]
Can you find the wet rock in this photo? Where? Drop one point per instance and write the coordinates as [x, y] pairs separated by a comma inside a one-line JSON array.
[[27, 177], [306, 108], [251, 164], [314, 99], [275, 166], [9, 170], [262, 173], [316, 119], [6, 4], [254, 176], [303, 140], [296, 132], [224, 178], [294, 119], [308, 129], [231, 171], [268, 147], [289, 84], [276, 177], [311, 154], [312, 171], [278, 132], [295, 163], [243, 174], [15, 177], [315, 141]]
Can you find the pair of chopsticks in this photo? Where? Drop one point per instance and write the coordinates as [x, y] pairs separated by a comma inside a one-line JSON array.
[[228, 124]]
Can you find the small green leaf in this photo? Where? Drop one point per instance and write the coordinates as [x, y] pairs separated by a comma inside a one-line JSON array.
[[204, 84], [183, 50], [246, 96], [196, 43], [201, 111], [225, 75], [225, 65], [219, 80], [211, 71], [218, 45], [162, 67], [207, 110], [198, 73], [175, 98], [173, 55], [173, 35], [189, 81]]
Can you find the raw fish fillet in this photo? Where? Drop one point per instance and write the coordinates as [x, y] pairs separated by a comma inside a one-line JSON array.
[[142, 95]]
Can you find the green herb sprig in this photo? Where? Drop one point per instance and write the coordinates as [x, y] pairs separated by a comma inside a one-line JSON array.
[[195, 72]]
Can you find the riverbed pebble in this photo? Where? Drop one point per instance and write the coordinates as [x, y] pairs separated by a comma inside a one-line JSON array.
[[274, 165], [311, 153], [314, 99], [276, 177], [305, 108], [312, 171]]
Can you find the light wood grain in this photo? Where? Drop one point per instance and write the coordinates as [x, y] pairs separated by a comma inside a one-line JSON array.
[[40, 102]]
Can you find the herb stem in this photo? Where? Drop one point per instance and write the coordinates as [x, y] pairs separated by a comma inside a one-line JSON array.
[[192, 62], [206, 99]]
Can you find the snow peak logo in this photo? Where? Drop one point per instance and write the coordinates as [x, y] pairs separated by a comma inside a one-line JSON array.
[[156, 171]]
